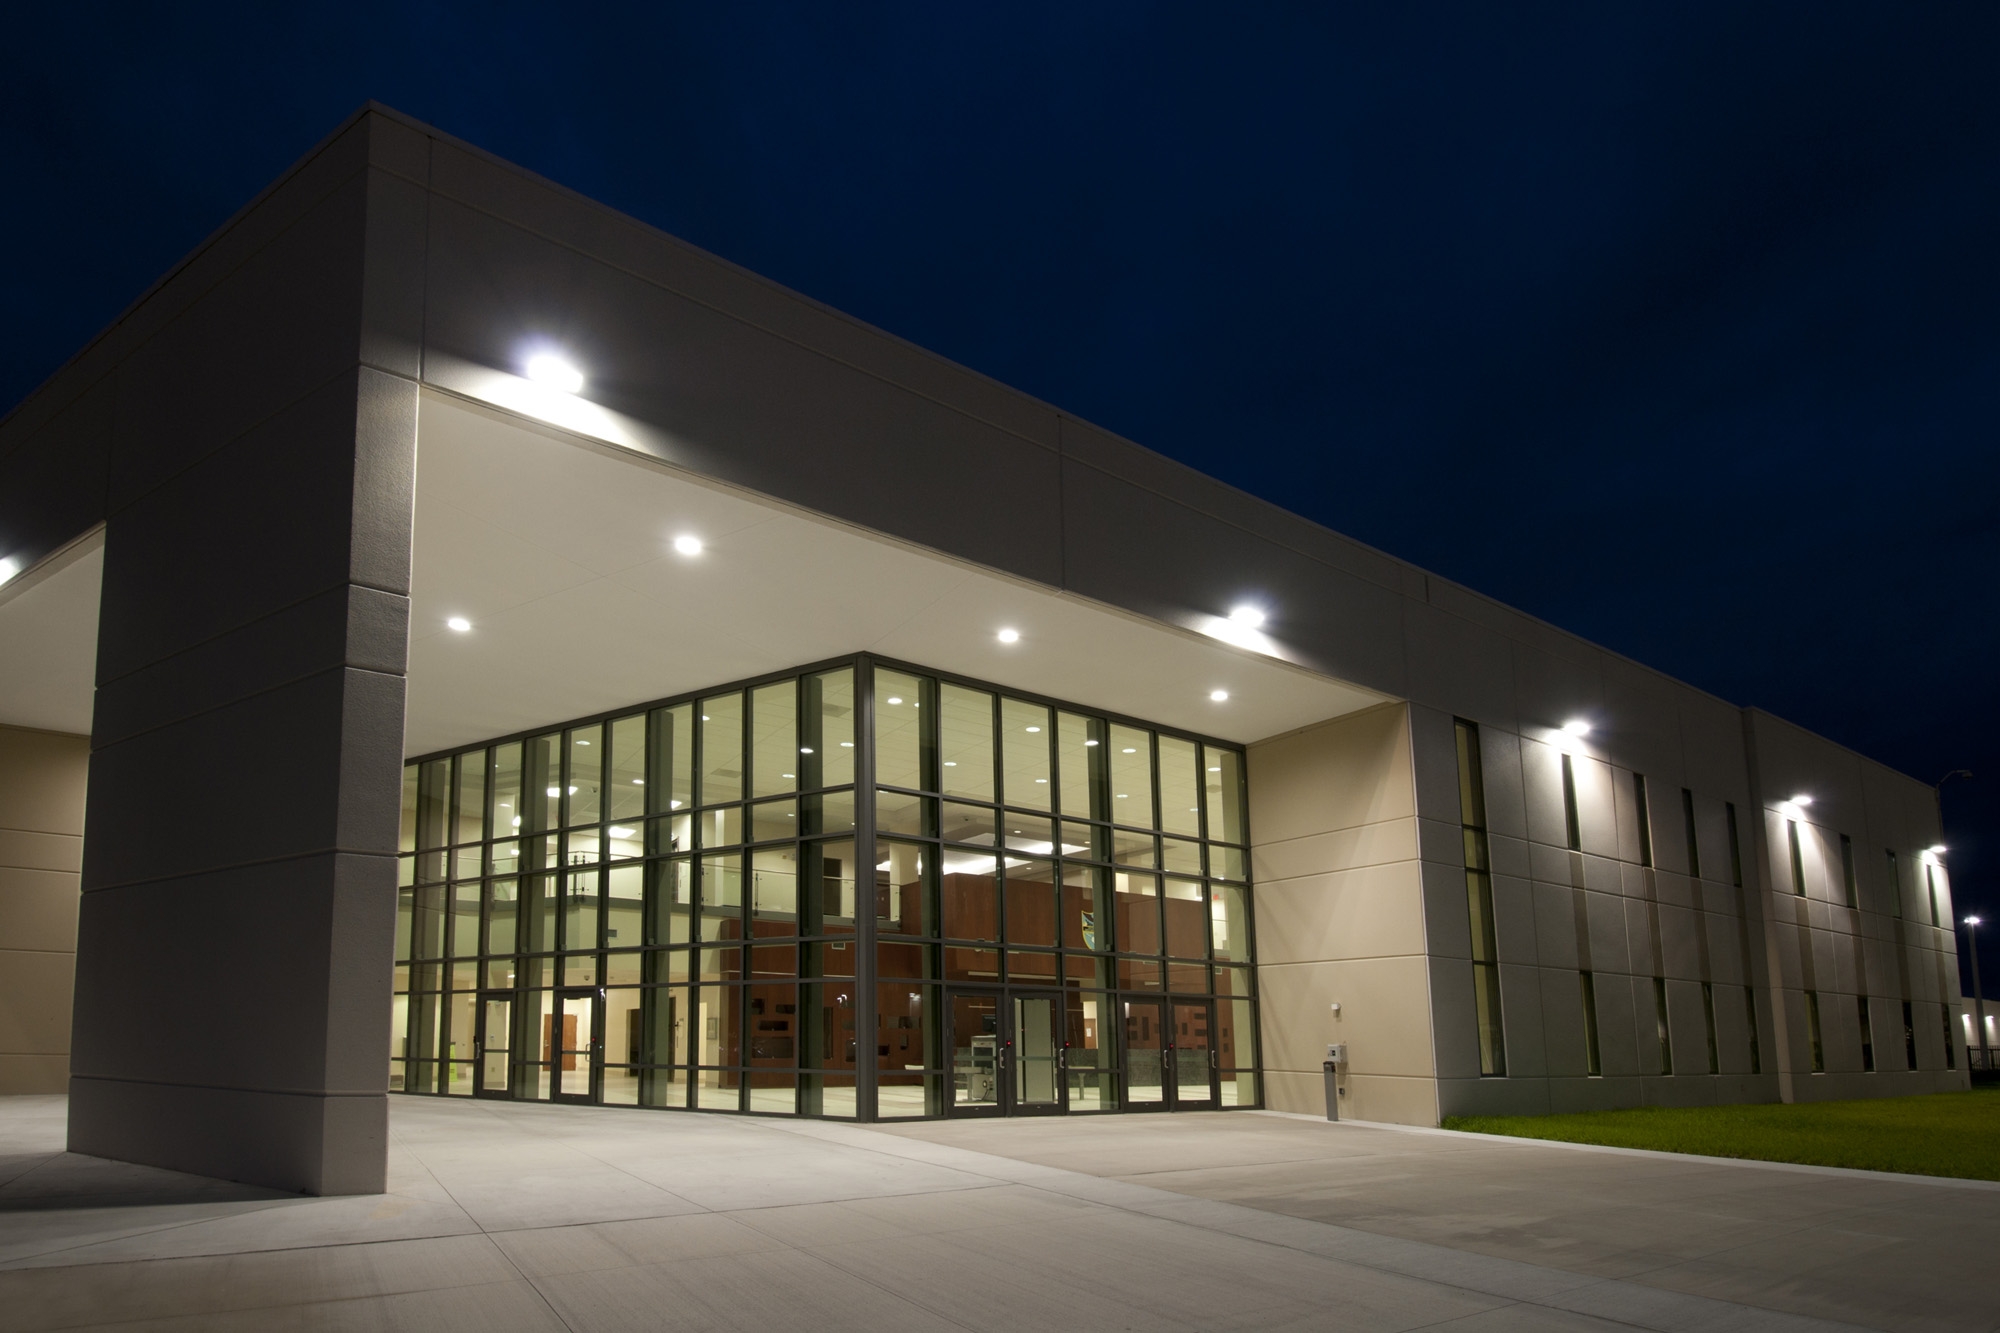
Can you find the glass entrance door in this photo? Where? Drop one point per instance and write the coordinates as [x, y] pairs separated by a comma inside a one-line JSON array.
[[1036, 1087], [494, 1043], [976, 1053], [1007, 1053], [1192, 1043], [570, 1043], [1145, 1055]]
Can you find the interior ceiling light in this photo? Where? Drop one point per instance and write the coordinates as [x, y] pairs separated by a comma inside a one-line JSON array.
[[1576, 726], [1247, 616], [1218, 696], [1009, 636], [550, 369], [687, 545], [459, 623]]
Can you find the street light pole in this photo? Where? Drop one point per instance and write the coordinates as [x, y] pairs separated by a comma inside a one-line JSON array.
[[1978, 996]]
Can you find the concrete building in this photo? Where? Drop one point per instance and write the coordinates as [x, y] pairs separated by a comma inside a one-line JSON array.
[[506, 637]]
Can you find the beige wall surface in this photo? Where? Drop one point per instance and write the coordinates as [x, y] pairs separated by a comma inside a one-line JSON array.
[[1340, 917], [41, 854]]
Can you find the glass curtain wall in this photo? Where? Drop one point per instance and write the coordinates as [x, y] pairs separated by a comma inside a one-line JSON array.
[[705, 903]]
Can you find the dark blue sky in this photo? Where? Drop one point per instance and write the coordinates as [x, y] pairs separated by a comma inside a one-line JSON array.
[[1678, 326]]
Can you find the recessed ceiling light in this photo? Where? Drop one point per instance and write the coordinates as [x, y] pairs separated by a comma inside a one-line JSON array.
[[1034, 728], [459, 623], [788, 775], [1247, 616], [1042, 780], [847, 745], [1128, 750], [951, 763], [550, 369], [1090, 742], [894, 699], [805, 749], [1010, 636], [1218, 696], [638, 782], [687, 545], [1576, 726]]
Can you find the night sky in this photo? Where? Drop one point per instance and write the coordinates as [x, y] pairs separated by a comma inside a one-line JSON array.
[[1676, 325]]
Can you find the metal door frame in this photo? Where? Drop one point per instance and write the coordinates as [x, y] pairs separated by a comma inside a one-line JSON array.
[[1125, 1102], [1059, 1033], [1207, 1005], [592, 1047], [479, 1088]]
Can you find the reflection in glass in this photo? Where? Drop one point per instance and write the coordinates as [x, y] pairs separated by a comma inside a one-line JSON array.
[[1026, 739], [906, 901], [1229, 926], [1136, 902], [970, 894], [975, 1052], [965, 742], [1083, 766], [1187, 927], [1091, 1059], [670, 768], [827, 752], [973, 824], [470, 801], [721, 888], [625, 798], [774, 819], [1193, 1056], [774, 891], [1031, 903], [1223, 774], [1131, 776], [828, 899], [899, 747], [586, 775], [1180, 787], [1145, 1049], [721, 749], [774, 728]]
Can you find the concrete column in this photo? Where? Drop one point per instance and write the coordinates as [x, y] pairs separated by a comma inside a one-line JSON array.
[[237, 919], [41, 850]]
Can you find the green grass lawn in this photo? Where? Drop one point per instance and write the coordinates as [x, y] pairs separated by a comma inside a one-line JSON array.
[[1943, 1134]]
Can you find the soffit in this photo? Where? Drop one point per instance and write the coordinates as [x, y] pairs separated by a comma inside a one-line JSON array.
[[559, 550]]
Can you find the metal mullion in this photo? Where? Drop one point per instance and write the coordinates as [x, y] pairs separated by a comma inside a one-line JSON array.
[[865, 969]]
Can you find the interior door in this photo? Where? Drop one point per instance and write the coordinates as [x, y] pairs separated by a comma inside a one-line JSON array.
[[978, 1053], [570, 1044], [494, 1043], [1146, 1052], [1035, 1085], [1192, 1043]]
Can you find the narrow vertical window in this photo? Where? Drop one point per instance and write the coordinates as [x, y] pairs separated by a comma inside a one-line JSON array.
[[1950, 1050], [1930, 886], [1570, 828], [1812, 1032], [1847, 881], [1660, 1022], [1645, 819], [1592, 1063], [1798, 859], [1479, 904], [1694, 841], [1735, 847], [1896, 897], [1867, 1034], [1909, 1036], [1750, 1014], [1708, 1018]]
